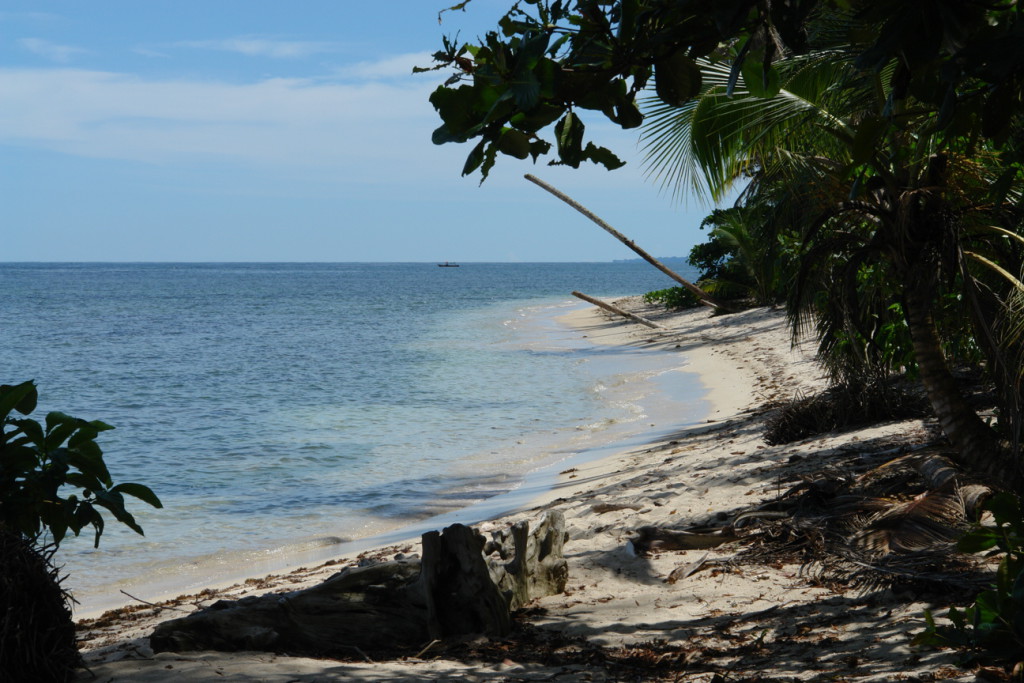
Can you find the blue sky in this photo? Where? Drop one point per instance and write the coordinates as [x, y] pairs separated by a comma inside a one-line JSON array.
[[258, 130]]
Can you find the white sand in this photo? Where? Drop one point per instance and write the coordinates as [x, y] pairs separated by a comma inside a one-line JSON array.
[[748, 621]]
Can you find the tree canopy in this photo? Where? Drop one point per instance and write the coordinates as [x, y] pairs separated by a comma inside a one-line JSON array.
[[959, 59]]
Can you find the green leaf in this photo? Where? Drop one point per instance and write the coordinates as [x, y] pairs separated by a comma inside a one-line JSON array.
[[570, 140], [514, 143], [88, 463], [603, 156], [458, 108], [760, 82], [99, 425], [18, 459], [443, 134], [1001, 188], [58, 529], [475, 158], [114, 502], [143, 493], [33, 430], [58, 428], [866, 139], [539, 147], [628, 115], [677, 79], [977, 541], [86, 482], [490, 154], [19, 397], [540, 116], [1006, 509]]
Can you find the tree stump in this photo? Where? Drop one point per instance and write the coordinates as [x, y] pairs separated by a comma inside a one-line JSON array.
[[454, 590], [537, 566]]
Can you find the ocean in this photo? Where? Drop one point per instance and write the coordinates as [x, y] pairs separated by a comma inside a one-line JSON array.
[[283, 411]]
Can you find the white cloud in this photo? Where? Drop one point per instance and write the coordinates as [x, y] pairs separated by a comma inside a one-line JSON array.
[[328, 133], [397, 66], [29, 16], [62, 54], [261, 47], [150, 52], [294, 122]]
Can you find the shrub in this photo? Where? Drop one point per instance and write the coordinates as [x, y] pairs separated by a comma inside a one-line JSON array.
[[992, 629], [674, 297], [39, 463], [843, 407]]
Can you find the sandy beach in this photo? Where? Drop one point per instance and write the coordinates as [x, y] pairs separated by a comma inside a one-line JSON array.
[[683, 615]]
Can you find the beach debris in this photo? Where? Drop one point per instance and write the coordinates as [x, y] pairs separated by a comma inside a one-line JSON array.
[[654, 539], [685, 571], [842, 408], [601, 508], [463, 584]]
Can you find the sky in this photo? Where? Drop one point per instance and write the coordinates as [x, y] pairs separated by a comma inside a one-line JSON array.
[[263, 130]]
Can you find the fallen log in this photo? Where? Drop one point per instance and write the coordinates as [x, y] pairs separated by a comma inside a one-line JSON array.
[[402, 604], [618, 311]]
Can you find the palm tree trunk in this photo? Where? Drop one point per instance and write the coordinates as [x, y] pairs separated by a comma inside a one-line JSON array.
[[702, 296], [977, 447]]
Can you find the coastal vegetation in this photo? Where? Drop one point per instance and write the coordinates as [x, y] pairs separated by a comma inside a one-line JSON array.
[[39, 463], [876, 148]]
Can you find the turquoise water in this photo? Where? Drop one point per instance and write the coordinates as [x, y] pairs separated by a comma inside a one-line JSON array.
[[276, 408]]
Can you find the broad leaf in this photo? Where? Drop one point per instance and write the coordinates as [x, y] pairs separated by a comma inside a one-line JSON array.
[[20, 397], [143, 493], [761, 82], [677, 79]]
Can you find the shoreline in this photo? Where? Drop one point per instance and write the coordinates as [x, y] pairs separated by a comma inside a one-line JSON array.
[[771, 621], [529, 489]]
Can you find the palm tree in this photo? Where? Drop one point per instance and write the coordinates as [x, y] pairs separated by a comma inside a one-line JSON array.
[[884, 204]]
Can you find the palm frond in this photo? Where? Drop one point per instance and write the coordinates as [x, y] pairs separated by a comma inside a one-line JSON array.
[[929, 519], [1010, 278], [702, 148]]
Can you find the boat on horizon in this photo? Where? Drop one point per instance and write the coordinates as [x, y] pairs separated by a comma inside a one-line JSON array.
[[446, 264]]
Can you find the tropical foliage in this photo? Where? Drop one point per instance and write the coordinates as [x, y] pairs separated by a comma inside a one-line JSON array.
[[734, 264], [52, 480], [876, 141], [672, 298], [38, 462], [910, 221], [992, 629]]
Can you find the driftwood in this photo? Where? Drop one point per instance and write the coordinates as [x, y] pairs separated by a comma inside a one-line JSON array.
[[402, 604], [656, 539], [618, 311], [701, 295]]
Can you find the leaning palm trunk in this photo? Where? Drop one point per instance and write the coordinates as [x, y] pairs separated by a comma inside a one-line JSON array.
[[702, 296], [977, 446]]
